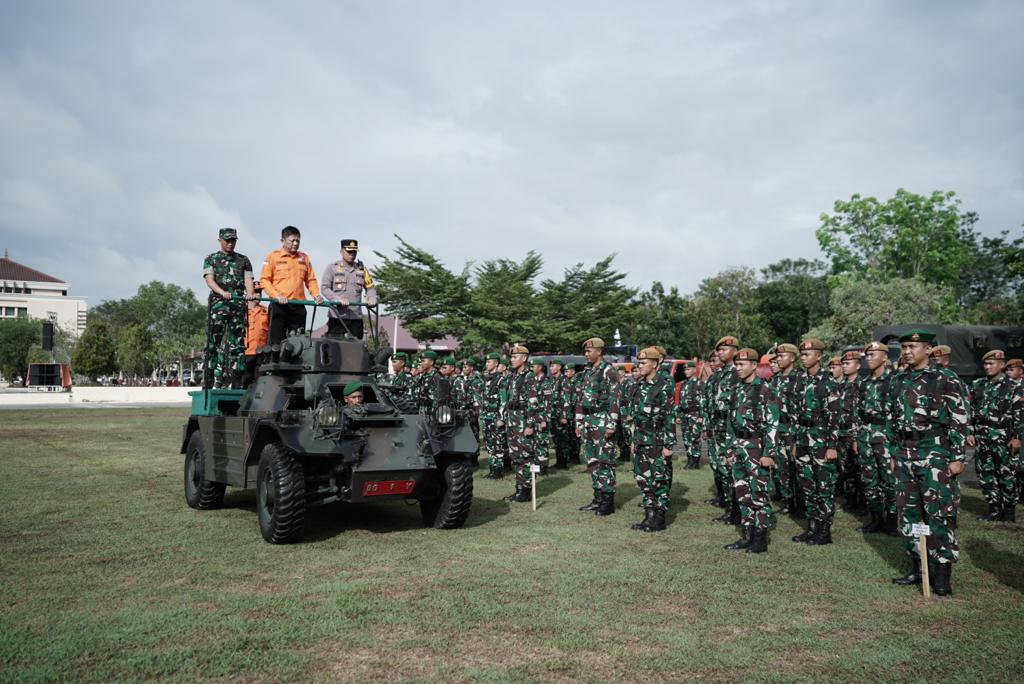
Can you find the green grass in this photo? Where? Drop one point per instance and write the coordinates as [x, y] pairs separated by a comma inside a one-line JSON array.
[[107, 575]]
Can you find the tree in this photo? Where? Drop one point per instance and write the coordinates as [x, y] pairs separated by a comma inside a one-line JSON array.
[[95, 354], [991, 281], [908, 236], [660, 317], [727, 304], [503, 302], [793, 297], [860, 306], [135, 351], [17, 335]]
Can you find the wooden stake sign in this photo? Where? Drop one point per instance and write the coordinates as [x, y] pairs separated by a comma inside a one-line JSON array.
[[534, 472], [921, 531]]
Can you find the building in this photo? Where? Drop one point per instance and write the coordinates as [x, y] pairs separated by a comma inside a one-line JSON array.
[[25, 291]]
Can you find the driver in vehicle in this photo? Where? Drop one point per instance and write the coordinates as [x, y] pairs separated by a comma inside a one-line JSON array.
[[353, 393]]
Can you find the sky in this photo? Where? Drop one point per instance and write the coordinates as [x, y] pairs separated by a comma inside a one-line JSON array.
[[684, 137]]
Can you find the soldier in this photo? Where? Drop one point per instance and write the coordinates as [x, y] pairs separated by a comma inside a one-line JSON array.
[[835, 368], [570, 390], [996, 416], [344, 281], [353, 393], [786, 385], [750, 449], [711, 366], [623, 431], [816, 453], [1014, 370], [425, 388], [653, 438], [257, 328], [596, 415], [928, 419], [540, 398], [941, 356], [689, 415], [448, 369], [522, 420], [493, 395], [773, 363], [847, 427], [721, 385], [287, 274], [228, 274], [559, 418], [401, 379], [873, 443], [470, 395]]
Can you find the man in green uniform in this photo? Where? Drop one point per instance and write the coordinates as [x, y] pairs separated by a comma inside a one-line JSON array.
[[874, 443], [786, 385], [469, 393], [652, 438], [540, 390], [426, 385], [570, 390], [721, 384], [689, 415], [597, 412], [493, 396], [624, 429], [751, 449], [847, 426], [560, 425], [928, 420], [996, 403], [522, 421], [229, 276], [401, 379]]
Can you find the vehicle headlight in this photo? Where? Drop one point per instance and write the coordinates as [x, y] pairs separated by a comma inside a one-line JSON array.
[[444, 415], [326, 414]]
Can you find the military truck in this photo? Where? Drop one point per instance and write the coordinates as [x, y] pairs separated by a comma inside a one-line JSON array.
[[967, 343], [291, 437]]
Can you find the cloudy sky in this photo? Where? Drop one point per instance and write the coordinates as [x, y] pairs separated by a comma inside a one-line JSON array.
[[685, 137]]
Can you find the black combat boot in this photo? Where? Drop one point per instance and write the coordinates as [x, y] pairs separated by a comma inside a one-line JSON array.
[[940, 573], [606, 505], [759, 544], [912, 577], [824, 534], [657, 521], [645, 523], [716, 500], [892, 525], [518, 494], [743, 542], [994, 513], [1010, 514], [877, 524], [724, 517], [734, 514], [490, 474], [592, 506], [812, 529]]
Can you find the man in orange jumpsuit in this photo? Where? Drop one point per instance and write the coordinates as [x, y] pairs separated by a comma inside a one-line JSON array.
[[287, 274], [255, 335]]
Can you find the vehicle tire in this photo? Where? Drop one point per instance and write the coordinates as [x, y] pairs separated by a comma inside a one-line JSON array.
[[200, 493], [280, 495], [451, 509]]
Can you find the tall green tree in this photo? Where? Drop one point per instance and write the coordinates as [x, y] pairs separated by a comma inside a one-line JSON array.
[[17, 336], [907, 236], [794, 295], [727, 304], [991, 287], [660, 317], [502, 302], [95, 353], [136, 352]]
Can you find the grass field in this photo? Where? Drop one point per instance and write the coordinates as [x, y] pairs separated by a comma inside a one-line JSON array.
[[107, 575]]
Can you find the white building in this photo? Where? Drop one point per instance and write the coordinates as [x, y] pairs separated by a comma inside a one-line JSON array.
[[25, 291]]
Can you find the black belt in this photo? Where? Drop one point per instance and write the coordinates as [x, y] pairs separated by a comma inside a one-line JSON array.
[[748, 434], [590, 411], [918, 435]]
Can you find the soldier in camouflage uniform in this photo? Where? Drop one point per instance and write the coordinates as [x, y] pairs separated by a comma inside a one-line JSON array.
[[424, 390], [751, 450], [401, 380], [847, 426], [597, 413], [523, 420], [816, 453], [541, 389], [652, 438], [997, 404], [1015, 370], [941, 357], [624, 429], [689, 415], [570, 390], [493, 397], [229, 276], [928, 420], [721, 383], [560, 425], [786, 385], [874, 443], [469, 391]]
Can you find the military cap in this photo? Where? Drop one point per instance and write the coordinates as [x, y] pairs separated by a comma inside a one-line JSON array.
[[572, 366], [1013, 363], [494, 355], [400, 356], [997, 354], [518, 349], [787, 348], [350, 245], [728, 341], [595, 342], [690, 364], [747, 354], [354, 386], [770, 356], [228, 234], [875, 345], [941, 350], [918, 336], [812, 343], [834, 361], [558, 361], [448, 361], [661, 349], [853, 353], [471, 361], [650, 353], [429, 354], [503, 361], [536, 361]]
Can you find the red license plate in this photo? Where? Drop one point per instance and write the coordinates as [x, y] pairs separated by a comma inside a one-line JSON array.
[[385, 487]]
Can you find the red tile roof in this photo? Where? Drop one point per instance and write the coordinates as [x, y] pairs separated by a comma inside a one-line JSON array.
[[12, 270], [406, 342]]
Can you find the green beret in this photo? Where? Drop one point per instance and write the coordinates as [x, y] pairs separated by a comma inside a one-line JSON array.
[[536, 361], [503, 361], [472, 361], [918, 336], [429, 354], [448, 361], [354, 386], [400, 356], [572, 366], [558, 361], [494, 355], [690, 364]]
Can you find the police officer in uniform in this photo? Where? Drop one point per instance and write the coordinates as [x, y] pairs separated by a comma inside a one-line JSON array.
[[344, 281]]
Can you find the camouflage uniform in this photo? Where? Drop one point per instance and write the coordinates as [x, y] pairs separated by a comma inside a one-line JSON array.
[[522, 410], [751, 430], [424, 390], [596, 412], [846, 417], [652, 430], [467, 390], [928, 421], [627, 390], [560, 433], [996, 419], [540, 391], [689, 411], [494, 394], [816, 475], [402, 381], [570, 392], [873, 445], [786, 387], [226, 318], [721, 384]]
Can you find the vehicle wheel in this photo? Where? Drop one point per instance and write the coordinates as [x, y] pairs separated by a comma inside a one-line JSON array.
[[280, 495], [451, 509], [200, 493]]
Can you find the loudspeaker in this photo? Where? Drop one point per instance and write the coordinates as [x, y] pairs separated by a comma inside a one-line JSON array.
[[47, 336]]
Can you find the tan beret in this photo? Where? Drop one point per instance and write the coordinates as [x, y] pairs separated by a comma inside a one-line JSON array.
[[661, 350], [728, 341], [651, 353], [941, 350], [875, 345], [747, 354], [518, 349], [787, 348], [812, 343], [851, 355], [835, 361], [997, 354], [1013, 363], [595, 342]]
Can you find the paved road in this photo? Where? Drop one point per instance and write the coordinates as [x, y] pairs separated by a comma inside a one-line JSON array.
[[92, 405]]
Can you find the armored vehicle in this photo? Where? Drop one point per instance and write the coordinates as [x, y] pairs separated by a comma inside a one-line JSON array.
[[292, 438], [968, 343]]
